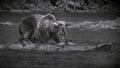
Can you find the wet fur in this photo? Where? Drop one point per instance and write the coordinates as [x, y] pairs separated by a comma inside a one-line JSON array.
[[40, 28]]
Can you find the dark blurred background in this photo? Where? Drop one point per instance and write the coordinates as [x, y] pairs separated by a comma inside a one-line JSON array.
[[61, 5]]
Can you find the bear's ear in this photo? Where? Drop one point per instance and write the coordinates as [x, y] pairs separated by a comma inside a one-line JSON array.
[[49, 17], [55, 24]]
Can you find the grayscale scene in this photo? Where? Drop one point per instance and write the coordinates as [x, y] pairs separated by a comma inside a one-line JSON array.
[[59, 34]]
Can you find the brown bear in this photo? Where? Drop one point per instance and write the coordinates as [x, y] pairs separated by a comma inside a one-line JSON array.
[[42, 28]]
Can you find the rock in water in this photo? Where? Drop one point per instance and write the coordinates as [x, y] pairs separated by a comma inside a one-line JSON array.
[[105, 46]]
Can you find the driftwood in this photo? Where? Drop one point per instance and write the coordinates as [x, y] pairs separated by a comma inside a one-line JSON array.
[[63, 47]]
